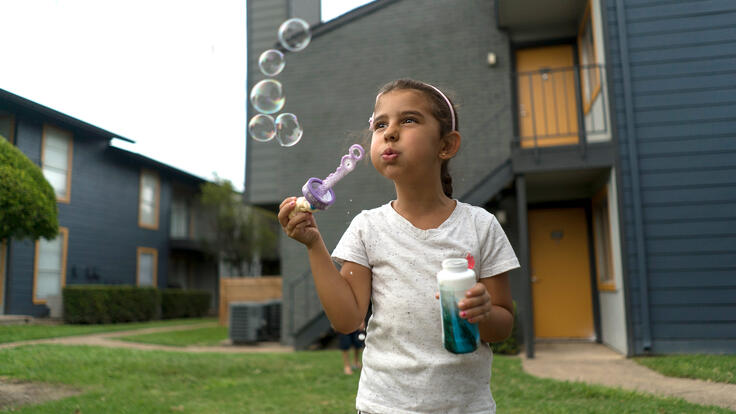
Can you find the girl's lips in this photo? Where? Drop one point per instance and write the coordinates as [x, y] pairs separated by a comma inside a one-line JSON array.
[[389, 155]]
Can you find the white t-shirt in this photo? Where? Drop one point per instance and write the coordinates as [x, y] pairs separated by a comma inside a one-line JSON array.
[[406, 369]]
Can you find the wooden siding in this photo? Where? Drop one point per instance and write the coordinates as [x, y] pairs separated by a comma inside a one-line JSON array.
[[682, 73], [102, 218]]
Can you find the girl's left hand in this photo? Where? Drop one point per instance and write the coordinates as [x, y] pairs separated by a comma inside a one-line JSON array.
[[477, 305]]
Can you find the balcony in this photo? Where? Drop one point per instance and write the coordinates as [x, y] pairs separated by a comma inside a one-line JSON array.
[[560, 110]]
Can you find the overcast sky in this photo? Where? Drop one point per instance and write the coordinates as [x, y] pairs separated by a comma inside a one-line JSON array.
[[168, 74]]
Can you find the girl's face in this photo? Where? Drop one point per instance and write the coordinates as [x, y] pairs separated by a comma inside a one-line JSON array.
[[406, 136]]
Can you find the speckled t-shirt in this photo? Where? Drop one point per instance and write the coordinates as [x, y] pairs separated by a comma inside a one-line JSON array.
[[405, 367]]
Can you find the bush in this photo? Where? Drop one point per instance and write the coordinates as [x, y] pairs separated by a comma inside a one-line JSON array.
[[92, 304], [177, 303], [27, 201], [511, 345]]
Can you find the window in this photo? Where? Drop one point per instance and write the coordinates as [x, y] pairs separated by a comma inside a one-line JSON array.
[[148, 200], [179, 219], [49, 269], [146, 274], [602, 237], [590, 75], [7, 127], [56, 158]]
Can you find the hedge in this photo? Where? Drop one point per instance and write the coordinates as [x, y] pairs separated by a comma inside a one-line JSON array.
[[90, 304], [178, 303]]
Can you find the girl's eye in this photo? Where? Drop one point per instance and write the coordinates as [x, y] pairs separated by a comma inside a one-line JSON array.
[[379, 125], [410, 120]]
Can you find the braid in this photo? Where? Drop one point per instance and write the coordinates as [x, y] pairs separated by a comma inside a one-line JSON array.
[[446, 178]]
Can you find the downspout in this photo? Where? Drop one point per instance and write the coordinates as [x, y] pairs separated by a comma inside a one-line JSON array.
[[635, 178]]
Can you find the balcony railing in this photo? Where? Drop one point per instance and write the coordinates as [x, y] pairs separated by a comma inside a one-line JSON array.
[[561, 106]]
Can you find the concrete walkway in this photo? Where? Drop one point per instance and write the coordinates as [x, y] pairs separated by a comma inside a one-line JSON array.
[[108, 340], [597, 364]]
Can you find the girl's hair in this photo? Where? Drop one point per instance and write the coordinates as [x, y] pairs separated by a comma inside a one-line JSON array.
[[444, 114]]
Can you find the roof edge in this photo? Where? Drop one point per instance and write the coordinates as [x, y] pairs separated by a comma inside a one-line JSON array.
[[58, 116]]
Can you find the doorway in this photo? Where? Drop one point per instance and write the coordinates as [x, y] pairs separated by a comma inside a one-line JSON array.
[[545, 81], [560, 273]]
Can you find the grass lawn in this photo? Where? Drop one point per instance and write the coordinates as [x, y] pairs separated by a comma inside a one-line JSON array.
[[133, 381], [199, 337], [13, 333], [717, 368]]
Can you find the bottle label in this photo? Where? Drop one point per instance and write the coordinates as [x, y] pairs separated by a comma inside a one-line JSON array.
[[459, 335]]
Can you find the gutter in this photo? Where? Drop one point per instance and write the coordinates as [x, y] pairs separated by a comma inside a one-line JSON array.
[[635, 179]]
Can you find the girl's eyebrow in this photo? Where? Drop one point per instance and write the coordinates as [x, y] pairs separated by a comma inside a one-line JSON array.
[[404, 113]]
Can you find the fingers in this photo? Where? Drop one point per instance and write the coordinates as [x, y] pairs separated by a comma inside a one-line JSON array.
[[477, 304], [284, 209]]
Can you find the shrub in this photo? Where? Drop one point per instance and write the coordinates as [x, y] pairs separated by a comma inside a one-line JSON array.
[[510, 346], [177, 303], [92, 304], [27, 201]]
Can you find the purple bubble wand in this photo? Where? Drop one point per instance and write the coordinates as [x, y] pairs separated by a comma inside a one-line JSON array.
[[318, 194]]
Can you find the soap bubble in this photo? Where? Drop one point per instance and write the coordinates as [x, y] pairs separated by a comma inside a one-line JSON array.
[[294, 34], [271, 62], [361, 336], [288, 130], [262, 128], [267, 96]]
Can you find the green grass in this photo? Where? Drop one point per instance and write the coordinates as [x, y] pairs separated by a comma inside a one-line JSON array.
[[13, 333], [133, 381], [198, 337], [717, 368]]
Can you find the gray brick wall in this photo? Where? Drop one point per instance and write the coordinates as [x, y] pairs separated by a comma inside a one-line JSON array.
[[331, 87]]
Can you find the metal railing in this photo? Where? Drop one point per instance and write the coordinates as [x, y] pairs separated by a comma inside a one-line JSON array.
[[561, 106], [303, 303]]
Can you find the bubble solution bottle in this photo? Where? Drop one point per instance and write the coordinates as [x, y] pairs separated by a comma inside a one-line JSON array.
[[458, 335]]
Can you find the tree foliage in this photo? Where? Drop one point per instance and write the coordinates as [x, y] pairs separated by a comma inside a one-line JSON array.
[[27, 201], [240, 233]]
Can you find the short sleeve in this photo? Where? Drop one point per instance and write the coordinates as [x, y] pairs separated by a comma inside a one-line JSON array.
[[351, 247], [497, 254]]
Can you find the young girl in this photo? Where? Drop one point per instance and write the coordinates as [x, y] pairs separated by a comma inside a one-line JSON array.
[[390, 255]]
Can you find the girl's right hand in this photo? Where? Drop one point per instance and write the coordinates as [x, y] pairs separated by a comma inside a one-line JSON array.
[[302, 227]]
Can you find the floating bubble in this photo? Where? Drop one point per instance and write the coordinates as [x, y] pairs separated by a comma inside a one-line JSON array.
[[294, 34], [271, 62], [288, 130], [267, 96], [262, 128]]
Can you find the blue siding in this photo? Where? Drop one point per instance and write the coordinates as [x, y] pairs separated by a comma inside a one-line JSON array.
[[682, 72], [102, 218]]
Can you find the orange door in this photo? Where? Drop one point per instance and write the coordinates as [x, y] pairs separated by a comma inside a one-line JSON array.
[[546, 88], [560, 268]]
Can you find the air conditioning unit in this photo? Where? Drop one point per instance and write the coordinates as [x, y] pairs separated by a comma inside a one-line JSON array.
[[246, 319], [272, 314]]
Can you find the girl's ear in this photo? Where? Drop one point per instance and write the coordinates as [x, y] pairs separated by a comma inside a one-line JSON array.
[[450, 145]]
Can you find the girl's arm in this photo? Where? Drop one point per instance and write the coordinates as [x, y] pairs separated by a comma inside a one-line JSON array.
[[344, 294], [489, 304]]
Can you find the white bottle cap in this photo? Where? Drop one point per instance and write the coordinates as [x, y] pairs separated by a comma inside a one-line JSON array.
[[455, 265]]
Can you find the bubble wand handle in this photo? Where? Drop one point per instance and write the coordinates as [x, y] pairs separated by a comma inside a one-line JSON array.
[[318, 194]]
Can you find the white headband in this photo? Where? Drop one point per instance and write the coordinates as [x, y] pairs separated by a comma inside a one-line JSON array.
[[449, 104]]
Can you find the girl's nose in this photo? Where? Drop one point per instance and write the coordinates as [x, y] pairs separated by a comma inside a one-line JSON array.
[[391, 134]]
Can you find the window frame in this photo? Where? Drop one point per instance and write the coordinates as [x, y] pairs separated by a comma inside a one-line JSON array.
[[602, 239], [69, 159], [146, 250], [587, 22], [63, 232], [10, 116], [157, 197]]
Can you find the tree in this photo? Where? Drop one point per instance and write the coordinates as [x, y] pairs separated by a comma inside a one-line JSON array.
[[240, 234], [27, 201]]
